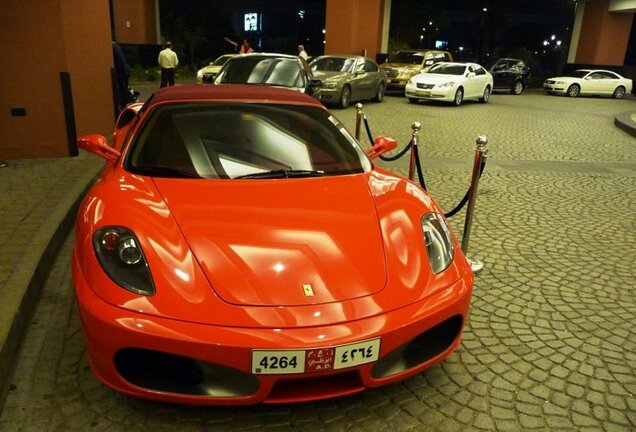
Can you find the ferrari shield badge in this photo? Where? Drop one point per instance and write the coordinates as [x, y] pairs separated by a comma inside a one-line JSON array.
[[308, 290]]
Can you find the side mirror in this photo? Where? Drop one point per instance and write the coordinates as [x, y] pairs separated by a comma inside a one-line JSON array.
[[380, 146], [471, 74], [98, 145]]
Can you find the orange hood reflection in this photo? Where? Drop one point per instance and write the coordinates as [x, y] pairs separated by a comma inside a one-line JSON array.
[[263, 242]]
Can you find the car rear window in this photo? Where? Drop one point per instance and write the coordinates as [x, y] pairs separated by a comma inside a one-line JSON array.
[[283, 72], [230, 140]]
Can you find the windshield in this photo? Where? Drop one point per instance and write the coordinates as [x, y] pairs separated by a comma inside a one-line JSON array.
[[220, 61], [578, 74], [333, 64], [246, 140], [447, 69], [284, 72], [407, 57]]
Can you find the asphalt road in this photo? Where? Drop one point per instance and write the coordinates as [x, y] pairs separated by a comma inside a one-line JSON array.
[[550, 345]]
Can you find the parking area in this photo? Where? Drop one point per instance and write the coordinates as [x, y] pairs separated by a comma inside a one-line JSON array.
[[550, 344]]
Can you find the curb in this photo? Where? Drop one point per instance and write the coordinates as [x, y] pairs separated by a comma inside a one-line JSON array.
[[627, 122], [33, 270]]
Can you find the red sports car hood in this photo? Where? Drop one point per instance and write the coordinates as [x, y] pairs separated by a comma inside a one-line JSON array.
[[282, 242]]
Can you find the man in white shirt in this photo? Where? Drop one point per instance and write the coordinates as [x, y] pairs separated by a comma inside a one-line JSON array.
[[168, 61], [301, 52]]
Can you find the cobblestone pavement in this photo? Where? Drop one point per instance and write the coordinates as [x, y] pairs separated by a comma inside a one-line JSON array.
[[550, 344]]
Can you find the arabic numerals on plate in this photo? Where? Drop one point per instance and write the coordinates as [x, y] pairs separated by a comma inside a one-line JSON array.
[[279, 362]]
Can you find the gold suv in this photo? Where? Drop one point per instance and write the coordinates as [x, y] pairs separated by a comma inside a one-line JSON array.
[[401, 66]]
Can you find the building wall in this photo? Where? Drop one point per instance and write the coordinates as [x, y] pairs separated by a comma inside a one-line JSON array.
[[43, 40], [135, 22], [354, 27], [604, 36]]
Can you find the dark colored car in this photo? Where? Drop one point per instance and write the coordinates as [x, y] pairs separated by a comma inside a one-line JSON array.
[[510, 74], [277, 70]]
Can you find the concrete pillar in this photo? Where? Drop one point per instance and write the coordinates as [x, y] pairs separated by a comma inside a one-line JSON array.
[[599, 36], [56, 75], [136, 22], [357, 27]]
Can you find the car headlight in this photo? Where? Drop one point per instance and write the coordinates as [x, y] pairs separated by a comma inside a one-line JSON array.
[[200, 73], [560, 82], [120, 255], [438, 241], [329, 85], [446, 84]]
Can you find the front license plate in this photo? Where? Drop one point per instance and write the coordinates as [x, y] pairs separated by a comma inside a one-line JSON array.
[[422, 93], [266, 362]]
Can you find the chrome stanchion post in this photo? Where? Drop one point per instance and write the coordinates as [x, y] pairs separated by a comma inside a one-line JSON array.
[[359, 115], [416, 126], [480, 155]]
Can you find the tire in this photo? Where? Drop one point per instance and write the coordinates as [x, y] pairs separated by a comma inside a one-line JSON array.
[[413, 100], [459, 97], [619, 92], [573, 90], [517, 88], [379, 94], [345, 97], [486, 97]]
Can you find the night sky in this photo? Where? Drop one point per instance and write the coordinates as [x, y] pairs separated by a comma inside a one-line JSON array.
[[505, 26]]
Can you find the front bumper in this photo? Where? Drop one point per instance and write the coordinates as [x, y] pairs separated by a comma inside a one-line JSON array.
[[164, 359], [446, 94], [554, 88], [329, 96]]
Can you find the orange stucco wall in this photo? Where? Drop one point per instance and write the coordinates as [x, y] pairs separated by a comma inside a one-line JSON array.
[[354, 26], [41, 40], [604, 36], [135, 21]]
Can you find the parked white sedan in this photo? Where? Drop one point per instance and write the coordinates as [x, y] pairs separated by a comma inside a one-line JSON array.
[[450, 82], [589, 82]]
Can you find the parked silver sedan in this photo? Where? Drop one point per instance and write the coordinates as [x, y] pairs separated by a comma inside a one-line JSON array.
[[348, 78]]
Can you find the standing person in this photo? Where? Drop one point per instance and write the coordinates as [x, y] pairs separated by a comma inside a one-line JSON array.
[[244, 47], [122, 73], [301, 52], [168, 61]]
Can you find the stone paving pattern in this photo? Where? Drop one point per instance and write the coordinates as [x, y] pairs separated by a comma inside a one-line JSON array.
[[550, 344]]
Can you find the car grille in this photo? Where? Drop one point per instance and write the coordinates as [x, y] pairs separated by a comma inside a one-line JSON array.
[[425, 86], [550, 81]]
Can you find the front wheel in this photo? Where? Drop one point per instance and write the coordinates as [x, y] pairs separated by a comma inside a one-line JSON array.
[[486, 97], [459, 97], [517, 88], [574, 90], [345, 97], [379, 94], [619, 92]]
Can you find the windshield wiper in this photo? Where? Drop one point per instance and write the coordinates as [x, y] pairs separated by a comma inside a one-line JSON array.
[[164, 171], [282, 173]]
